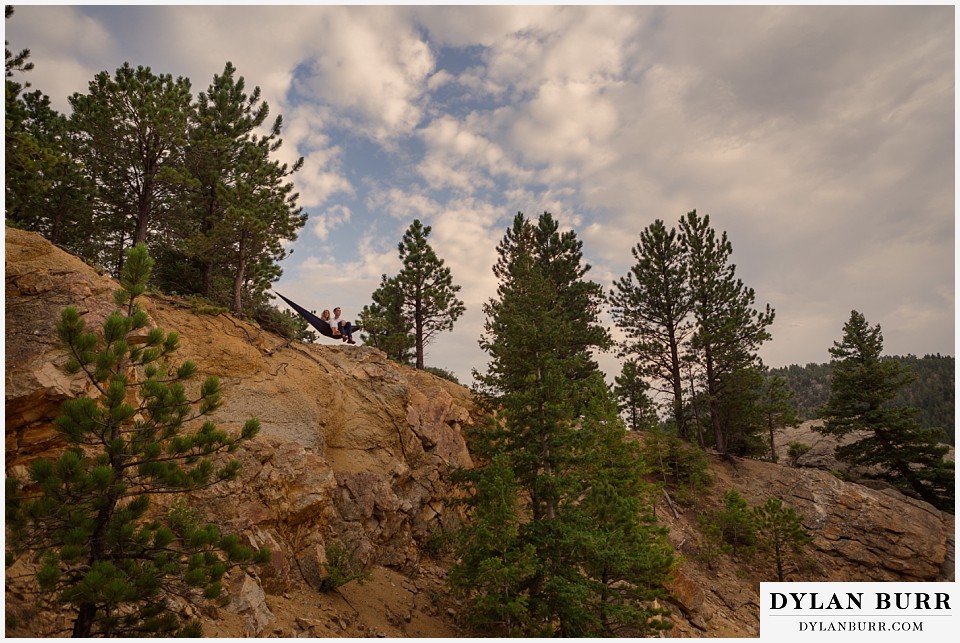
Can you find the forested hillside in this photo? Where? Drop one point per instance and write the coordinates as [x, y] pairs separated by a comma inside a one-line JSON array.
[[932, 391]]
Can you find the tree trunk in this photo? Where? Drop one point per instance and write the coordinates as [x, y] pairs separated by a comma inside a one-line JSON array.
[[779, 556], [773, 449], [604, 592], [205, 228], [677, 388], [121, 257], [239, 275], [56, 227], [83, 626], [207, 278], [143, 212], [696, 413], [418, 329]]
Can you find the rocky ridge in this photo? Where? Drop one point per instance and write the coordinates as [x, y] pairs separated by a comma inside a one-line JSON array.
[[356, 450]]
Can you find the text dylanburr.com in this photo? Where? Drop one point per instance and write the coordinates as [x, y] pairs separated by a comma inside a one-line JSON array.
[[853, 610]]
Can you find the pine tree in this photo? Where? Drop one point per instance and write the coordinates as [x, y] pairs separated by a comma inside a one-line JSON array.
[[631, 390], [223, 119], [14, 61], [778, 409], [625, 552], [555, 433], [86, 516], [44, 188], [780, 531], [384, 324], [132, 130], [729, 330], [239, 209], [495, 564], [740, 410], [861, 388], [429, 294], [652, 305], [261, 213], [737, 524]]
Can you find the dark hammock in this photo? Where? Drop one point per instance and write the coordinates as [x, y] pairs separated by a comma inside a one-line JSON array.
[[315, 321]]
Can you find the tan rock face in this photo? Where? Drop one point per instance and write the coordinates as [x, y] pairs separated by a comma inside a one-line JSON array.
[[353, 449], [859, 535], [863, 534], [40, 282]]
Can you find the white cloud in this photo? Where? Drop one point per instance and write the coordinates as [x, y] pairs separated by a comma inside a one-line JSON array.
[[460, 155], [451, 26], [65, 46], [326, 221], [567, 130], [401, 204], [371, 63]]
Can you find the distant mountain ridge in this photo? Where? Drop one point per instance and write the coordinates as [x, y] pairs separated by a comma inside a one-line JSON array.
[[933, 392]]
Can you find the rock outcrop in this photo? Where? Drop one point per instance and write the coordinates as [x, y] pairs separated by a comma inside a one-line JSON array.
[[859, 534], [356, 451]]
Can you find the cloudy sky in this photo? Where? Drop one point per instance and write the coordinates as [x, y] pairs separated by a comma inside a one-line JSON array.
[[820, 138]]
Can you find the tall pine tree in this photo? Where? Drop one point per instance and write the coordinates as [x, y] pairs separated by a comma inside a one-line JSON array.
[[429, 295], [241, 206], [861, 388], [132, 129], [729, 329], [555, 434], [44, 187], [224, 121], [261, 213], [652, 305]]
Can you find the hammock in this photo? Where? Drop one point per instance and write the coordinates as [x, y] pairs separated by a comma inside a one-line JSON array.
[[314, 320]]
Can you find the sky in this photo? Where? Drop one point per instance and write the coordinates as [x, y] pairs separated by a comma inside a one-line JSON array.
[[820, 138]]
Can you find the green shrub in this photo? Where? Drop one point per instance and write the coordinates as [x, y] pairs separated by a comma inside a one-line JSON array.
[[201, 306], [283, 322], [797, 450], [734, 524], [679, 464], [342, 567], [781, 533], [441, 372], [440, 542]]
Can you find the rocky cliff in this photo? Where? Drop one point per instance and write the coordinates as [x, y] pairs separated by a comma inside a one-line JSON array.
[[356, 450]]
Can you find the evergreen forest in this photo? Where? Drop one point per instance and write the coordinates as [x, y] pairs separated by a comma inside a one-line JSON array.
[[933, 391], [143, 159]]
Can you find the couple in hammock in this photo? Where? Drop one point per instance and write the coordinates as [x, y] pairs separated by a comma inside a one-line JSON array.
[[334, 327], [339, 328]]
